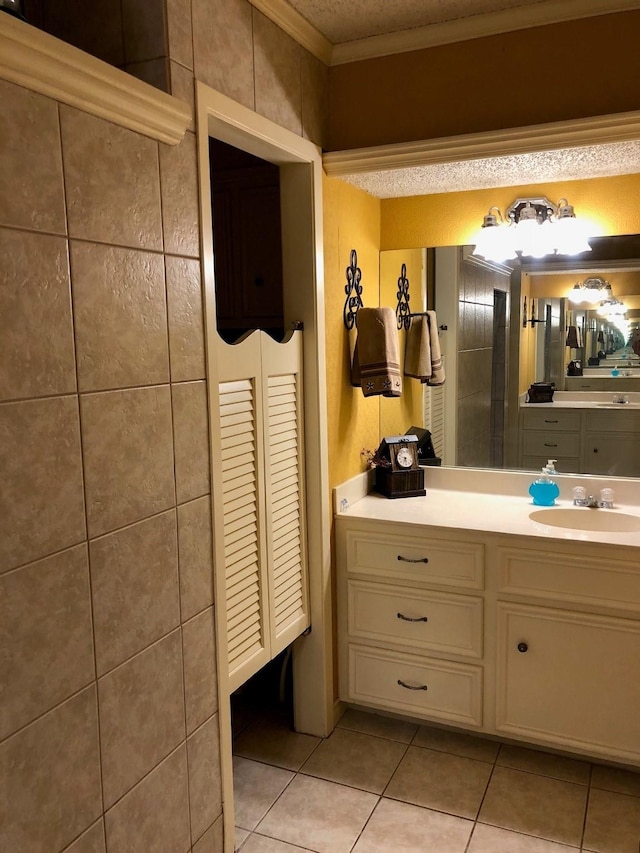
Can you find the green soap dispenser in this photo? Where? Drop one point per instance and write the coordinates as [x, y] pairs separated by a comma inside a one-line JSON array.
[[543, 490]]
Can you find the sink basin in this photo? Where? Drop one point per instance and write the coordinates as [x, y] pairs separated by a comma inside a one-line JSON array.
[[583, 518]]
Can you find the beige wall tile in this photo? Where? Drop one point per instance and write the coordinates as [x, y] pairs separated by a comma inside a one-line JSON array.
[[95, 28], [180, 32], [35, 316], [277, 74], [205, 790], [155, 72], [315, 98], [180, 209], [213, 839], [31, 185], [46, 636], [222, 41], [134, 584], [186, 327], [195, 550], [144, 29], [91, 841], [51, 778], [112, 183], [191, 439], [154, 816], [120, 317], [128, 456], [200, 682], [182, 86], [141, 715], [41, 499]]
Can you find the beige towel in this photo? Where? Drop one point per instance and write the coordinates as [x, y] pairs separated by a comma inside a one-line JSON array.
[[417, 353], [376, 359], [423, 359]]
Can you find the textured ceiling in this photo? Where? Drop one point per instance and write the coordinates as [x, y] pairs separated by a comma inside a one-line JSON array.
[[346, 20], [596, 161]]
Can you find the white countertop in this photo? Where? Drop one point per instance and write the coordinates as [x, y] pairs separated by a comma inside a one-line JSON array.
[[586, 400], [460, 508]]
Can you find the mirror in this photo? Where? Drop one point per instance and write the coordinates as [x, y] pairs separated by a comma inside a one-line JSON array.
[[507, 327]]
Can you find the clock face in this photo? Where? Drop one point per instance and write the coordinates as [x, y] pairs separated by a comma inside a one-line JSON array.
[[404, 457]]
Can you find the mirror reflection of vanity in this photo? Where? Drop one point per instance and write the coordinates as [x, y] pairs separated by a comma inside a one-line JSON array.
[[480, 418]]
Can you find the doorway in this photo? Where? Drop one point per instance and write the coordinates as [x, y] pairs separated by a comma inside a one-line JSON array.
[[300, 171]]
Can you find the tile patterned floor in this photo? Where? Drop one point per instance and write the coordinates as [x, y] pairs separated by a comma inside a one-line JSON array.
[[379, 785]]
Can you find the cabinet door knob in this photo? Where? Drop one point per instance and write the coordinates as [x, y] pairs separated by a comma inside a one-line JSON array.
[[412, 618], [411, 686], [410, 560], [523, 647]]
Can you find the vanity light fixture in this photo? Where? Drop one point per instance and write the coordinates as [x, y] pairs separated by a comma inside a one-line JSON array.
[[592, 289], [612, 308], [531, 227]]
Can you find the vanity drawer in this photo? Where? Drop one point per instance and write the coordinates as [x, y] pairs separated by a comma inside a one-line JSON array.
[[587, 580], [613, 420], [424, 559], [419, 618], [551, 419], [415, 685], [552, 445]]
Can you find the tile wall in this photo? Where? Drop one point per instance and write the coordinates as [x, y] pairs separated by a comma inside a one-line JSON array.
[[108, 724]]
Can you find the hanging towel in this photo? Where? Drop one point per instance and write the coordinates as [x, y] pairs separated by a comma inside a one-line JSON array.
[[376, 359], [437, 365], [572, 337], [417, 354]]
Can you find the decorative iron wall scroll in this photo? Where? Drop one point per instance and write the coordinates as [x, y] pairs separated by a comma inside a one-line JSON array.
[[353, 289], [403, 312]]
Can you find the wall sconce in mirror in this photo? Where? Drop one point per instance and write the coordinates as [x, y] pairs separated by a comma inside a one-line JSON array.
[[531, 227], [590, 290], [353, 289], [403, 312]]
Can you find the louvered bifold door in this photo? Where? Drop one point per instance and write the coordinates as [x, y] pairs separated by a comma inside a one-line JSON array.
[[242, 476], [284, 484]]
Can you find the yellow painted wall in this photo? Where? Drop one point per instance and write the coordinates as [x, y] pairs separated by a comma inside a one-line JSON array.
[[451, 219], [352, 221]]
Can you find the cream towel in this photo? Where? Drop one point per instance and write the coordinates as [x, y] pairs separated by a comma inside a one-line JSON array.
[[376, 359], [423, 359]]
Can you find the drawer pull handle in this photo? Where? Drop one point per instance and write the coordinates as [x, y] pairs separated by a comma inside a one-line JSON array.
[[410, 686], [550, 421], [550, 445], [410, 560], [412, 618], [522, 647]]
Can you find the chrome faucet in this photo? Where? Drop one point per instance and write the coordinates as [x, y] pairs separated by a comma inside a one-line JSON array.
[[605, 501]]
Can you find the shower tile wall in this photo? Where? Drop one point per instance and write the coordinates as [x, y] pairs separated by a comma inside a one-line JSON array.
[[108, 724], [475, 362]]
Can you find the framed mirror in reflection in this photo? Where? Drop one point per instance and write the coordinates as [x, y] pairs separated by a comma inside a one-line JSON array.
[[511, 325]]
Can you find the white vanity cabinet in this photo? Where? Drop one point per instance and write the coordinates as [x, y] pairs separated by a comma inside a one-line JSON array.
[[411, 622], [550, 434], [509, 635]]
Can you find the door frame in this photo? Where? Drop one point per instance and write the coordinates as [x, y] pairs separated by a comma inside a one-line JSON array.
[[301, 173]]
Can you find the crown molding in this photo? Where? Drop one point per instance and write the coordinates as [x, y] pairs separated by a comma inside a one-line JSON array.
[[600, 130], [295, 25], [477, 26], [44, 64]]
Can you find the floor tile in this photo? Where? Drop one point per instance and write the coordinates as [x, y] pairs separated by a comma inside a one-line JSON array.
[[240, 836], [436, 780], [535, 805], [613, 823], [376, 724], [274, 742], [319, 815], [458, 743], [355, 759], [614, 779], [491, 839], [404, 828], [262, 844], [256, 787], [544, 764]]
